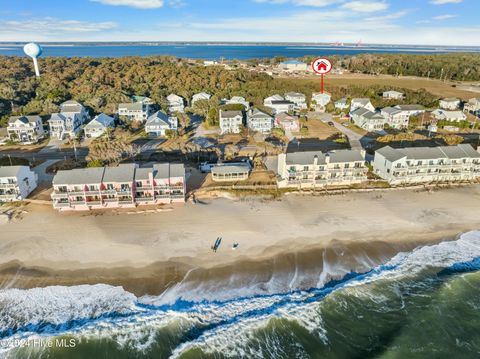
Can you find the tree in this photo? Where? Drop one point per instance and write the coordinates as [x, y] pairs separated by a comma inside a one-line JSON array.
[[112, 150]]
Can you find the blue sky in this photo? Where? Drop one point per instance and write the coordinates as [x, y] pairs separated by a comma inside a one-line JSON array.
[[435, 22]]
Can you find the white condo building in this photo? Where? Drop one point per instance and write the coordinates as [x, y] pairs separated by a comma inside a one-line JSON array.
[[311, 169], [427, 164], [16, 183]]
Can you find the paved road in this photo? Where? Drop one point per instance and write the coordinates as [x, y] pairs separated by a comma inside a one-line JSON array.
[[353, 137], [41, 171]]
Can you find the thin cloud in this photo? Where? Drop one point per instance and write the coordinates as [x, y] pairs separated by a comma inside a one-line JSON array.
[[139, 4], [311, 3], [365, 6], [443, 2], [444, 17], [52, 26]]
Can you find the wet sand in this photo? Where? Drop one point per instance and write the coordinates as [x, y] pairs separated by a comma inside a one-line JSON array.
[[148, 252]]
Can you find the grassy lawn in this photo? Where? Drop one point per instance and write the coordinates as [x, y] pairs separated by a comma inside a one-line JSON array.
[[436, 87], [319, 129]]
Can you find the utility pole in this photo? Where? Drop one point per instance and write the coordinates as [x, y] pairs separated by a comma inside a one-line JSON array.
[[10, 159]]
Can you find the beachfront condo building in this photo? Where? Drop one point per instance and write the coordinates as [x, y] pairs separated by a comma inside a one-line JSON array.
[[16, 183], [315, 169], [124, 186], [25, 129], [427, 164], [68, 122]]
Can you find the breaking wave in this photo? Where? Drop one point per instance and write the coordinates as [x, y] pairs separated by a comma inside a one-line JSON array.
[[188, 322]]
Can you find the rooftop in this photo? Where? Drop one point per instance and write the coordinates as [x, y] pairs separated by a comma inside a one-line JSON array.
[[10, 171], [426, 153], [79, 176], [124, 172]]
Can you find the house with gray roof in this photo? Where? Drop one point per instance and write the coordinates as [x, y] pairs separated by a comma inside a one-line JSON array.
[[68, 122], [368, 120], [98, 126], [134, 111], [395, 118], [25, 129], [268, 101], [158, 123], [259, 121], [230, 121], [427, 164], [124, 186], [236, 100], [450, 103], [175, 103], [361, 103], [315, 169], [16, 183], [200, 96], [299, 100], [342, 104], [225, 172]]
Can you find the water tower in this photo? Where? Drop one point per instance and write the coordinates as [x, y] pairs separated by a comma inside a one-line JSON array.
[[34, 51]]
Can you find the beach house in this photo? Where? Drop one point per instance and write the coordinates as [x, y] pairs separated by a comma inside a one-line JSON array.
[[368, 120], [451, 116], [98, 126], [299, 100], [361, 103], [234, 172], [392, 95], [124, 186], [268, 101], [260, 121], [68, 122], [175, 103], [395, 118], [411, 110], [200, 96], [158, 123], [472, 106], [135, 111], [25, 129], [450, 104], [143, 99], [427, 164], [315, 169], [16, 183], [236, 100], [320, 101], [287, 122], [230, 121], [342, 104], [281, 106]]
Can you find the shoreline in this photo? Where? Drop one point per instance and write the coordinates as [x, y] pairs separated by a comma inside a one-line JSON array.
[[149, 252]]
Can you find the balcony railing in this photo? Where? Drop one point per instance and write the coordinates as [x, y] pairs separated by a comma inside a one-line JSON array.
[[144, 199], [78, 203], [94, 203], [61, 204], [8, 185]]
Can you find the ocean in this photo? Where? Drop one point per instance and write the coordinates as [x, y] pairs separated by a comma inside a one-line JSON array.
[[422, 303], [218, 51]]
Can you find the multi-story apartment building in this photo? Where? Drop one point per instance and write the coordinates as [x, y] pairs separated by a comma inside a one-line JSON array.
[[230, 121], [68, 122], [16, 183], [259, 121], [427, 164], [124, 186], [311, 169], [299, 100], [135, 111], [25, 129]]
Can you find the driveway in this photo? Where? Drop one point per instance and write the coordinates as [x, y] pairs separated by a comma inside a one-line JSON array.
[[52, 146], [150, 146], [353, 137], [41, 171]]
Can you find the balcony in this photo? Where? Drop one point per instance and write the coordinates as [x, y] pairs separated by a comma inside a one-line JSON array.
[[77, 203], [110, 200], [125, 201], [94, 192], [144, 199], [8, 185], [161, 196], [58, 194], [61, 204], [94, 203], [109, 191]]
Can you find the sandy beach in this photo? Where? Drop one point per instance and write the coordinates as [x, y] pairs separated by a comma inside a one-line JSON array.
[[147, 252]]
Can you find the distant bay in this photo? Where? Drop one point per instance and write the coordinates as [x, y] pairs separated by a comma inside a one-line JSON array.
[[219, 51]]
